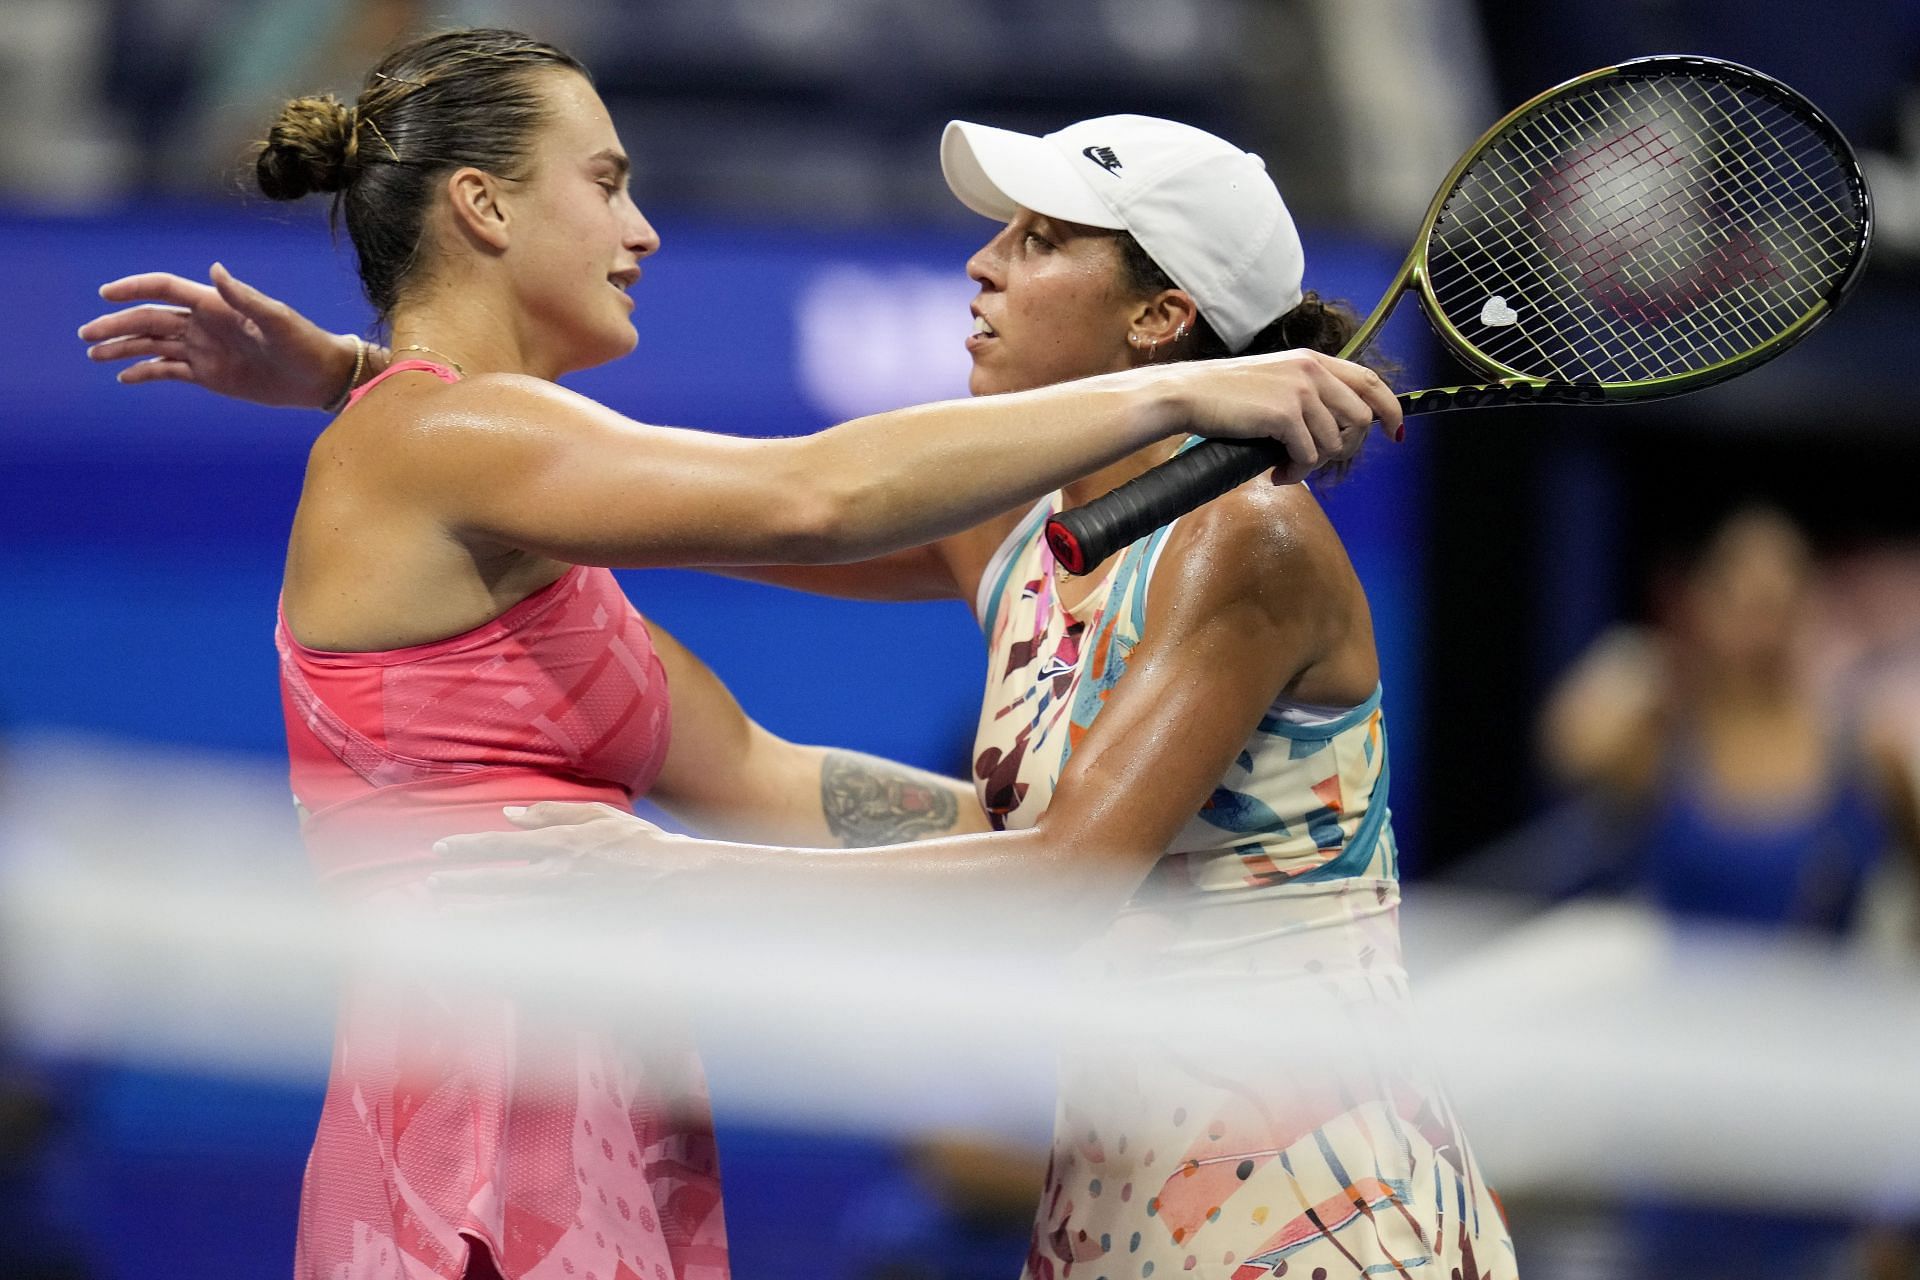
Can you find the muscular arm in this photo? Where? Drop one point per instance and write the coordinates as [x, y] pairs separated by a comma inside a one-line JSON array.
[[727, 777], [520, 463], [1252, 598]]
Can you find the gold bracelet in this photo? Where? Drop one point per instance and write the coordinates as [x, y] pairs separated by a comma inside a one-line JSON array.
[[353, 380]]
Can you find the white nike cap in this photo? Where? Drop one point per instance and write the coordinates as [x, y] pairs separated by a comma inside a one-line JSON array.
[[1205, 211]]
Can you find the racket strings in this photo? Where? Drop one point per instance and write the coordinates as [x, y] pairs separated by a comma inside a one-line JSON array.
[[1622, 270], [1641, 228], [1512, 263], [1645, 221], [1617, 267], [1513, 259]]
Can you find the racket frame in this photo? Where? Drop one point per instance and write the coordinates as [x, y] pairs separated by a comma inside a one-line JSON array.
[[1511, 386]]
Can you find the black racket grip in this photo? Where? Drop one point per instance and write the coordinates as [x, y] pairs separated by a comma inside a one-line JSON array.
[[1085, 536]]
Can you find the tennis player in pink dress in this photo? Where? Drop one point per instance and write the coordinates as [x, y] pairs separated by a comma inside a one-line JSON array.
[[454, 1116]]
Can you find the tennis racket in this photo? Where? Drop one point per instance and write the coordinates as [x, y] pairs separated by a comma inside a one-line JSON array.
[[1638, 232]]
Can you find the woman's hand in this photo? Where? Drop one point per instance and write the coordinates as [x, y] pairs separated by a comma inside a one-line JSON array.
[[567, 849], [1318, 407], [227, 337]]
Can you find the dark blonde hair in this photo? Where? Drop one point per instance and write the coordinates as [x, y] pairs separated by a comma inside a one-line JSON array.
[[442, 102]]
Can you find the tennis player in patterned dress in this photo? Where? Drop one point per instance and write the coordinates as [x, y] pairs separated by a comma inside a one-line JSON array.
[[1185, 756]]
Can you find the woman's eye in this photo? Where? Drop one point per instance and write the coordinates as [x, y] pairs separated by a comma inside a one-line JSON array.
[[1038, 241]]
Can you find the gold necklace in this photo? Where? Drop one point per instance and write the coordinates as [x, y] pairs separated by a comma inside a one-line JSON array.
[[414, 346]]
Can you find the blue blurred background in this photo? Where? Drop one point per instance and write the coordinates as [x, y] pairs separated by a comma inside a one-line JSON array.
[[811, 271]]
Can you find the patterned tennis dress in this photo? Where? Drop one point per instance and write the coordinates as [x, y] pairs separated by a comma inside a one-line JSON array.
[[1232, 1150]]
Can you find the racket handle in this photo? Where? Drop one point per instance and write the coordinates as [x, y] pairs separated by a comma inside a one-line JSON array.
[[1085, 536]]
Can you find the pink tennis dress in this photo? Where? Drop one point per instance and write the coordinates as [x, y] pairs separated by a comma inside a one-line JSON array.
[[459, 1117]]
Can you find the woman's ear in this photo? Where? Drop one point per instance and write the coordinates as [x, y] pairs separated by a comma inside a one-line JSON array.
[[1162, 323], [473, 197]]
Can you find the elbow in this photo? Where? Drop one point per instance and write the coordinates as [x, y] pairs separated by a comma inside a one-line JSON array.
[[815, 531], [1086, 881], [827, 515]]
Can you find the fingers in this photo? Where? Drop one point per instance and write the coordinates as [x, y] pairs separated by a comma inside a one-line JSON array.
[[243, 297], [1324, 414], [1313, 428], [487, 846], [144, 321], [1293, 434], [156, 286], [1352, 416], [1382, 404], [517, 882], [136, 348], [562, 813], [155, 370], [1337, 404]]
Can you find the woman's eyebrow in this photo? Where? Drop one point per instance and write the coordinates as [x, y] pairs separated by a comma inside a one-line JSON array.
[[617, 159]]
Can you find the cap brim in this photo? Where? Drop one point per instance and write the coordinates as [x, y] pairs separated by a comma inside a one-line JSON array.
[[996, 172]]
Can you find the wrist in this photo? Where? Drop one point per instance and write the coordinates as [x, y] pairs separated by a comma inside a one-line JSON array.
[[353, 350], [1155, 406]]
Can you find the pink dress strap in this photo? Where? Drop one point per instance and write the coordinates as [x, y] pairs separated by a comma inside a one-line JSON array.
[[434, 367]]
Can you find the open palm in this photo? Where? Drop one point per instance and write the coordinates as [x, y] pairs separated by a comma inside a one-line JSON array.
[[225, 336]]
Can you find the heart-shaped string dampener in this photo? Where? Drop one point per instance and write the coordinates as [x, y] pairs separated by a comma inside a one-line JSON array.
[[1496, 313]]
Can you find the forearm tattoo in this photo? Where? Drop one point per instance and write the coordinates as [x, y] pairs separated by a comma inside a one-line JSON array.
[[869, 802]]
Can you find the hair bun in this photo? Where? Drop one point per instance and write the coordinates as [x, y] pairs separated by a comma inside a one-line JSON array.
[[310, 148]]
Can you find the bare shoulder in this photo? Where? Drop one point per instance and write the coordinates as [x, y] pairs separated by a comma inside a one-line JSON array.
[[1261, 543], [488, 401], [479, 422], [1262, 571]]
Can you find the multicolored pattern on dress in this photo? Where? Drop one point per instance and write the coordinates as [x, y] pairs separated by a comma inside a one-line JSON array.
[[1188, 1149]]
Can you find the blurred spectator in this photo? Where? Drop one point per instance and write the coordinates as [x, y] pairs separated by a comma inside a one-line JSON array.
[[1740, 761], [1733, 780]]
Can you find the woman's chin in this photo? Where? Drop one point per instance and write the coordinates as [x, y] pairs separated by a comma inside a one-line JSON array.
[[984, 382], [606, 346]]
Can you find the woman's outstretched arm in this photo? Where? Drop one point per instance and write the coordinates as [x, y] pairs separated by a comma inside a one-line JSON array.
[[727, 777], [1231, 622], [519, 462]]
